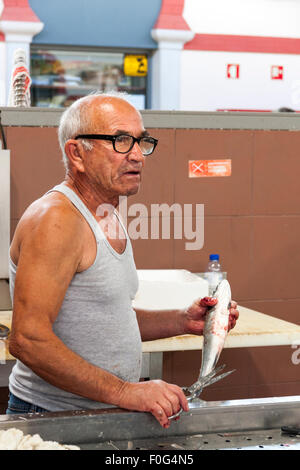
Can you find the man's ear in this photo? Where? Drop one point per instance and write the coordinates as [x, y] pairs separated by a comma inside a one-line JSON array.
[[73, 150]]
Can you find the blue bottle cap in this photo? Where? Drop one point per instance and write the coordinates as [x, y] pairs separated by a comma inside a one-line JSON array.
[[214, 257]]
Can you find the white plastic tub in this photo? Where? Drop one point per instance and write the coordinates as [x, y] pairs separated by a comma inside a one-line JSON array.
[[166, 289]]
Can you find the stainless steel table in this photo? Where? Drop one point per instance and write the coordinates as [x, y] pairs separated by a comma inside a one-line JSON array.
[[237, 424]]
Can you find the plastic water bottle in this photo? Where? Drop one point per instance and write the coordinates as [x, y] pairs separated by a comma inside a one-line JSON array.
[[214, 274]]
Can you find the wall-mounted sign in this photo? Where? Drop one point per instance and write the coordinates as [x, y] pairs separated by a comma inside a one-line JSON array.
[[135, 65], [204, 168], [277, 72], [233, 71]]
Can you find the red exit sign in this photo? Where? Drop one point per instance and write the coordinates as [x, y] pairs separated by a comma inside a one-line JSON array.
[[277, 72], [233, 71]]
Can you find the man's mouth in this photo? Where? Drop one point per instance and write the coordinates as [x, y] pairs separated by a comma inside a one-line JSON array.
[[133, 173]]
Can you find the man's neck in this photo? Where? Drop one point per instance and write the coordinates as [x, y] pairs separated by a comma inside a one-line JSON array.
[[92, 197]]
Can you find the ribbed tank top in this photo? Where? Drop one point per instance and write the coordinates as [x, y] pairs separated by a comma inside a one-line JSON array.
[[96, 321]]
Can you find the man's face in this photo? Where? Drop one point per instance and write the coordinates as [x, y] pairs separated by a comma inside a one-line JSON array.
[[112, 173]]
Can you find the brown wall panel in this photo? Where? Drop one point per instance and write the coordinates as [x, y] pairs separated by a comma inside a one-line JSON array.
[[35, 165], [260, 372], [221, 195], [251, 218], [152, 254], [229, 236], [276, 258], [276, 170], [158, 175]]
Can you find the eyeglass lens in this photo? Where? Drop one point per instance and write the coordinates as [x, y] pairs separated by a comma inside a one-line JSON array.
[[123, 143]]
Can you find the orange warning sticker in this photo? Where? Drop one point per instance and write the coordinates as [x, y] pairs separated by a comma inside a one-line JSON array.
[[199, 168]]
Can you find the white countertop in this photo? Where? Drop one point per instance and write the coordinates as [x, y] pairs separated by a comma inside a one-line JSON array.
[[252, 329]]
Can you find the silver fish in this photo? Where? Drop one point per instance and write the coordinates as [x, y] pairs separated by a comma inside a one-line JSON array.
[[214, 335], [215, 329]]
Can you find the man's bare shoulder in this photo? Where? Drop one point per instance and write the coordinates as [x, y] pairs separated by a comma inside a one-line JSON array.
[[51, 210], [51, 220]]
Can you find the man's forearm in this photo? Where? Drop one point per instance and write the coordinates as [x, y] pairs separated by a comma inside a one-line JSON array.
[[55, 363], [49, 358], [160, 324]]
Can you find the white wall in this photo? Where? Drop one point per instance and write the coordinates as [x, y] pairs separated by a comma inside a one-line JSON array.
[[277, 18], [205, 85]]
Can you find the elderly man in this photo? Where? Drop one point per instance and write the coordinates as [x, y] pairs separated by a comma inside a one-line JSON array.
[[74, 332]]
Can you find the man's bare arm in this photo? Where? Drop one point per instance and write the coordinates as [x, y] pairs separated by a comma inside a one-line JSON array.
[[166, 323], [160, 324], [49, 256]]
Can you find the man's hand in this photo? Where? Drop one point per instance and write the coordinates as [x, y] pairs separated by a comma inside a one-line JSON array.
[[157, 397], [233, 315], [195, 315]]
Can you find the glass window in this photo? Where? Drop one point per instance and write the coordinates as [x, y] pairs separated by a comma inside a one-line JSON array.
[[59, 77]]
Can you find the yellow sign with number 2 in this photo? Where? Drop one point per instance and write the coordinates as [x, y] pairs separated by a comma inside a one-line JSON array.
[[135, 65]]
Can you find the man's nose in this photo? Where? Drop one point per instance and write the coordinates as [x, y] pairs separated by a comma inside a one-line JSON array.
[[136, 153]]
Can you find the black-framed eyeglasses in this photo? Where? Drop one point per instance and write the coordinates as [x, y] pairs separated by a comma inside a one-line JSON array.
[[123, 143]]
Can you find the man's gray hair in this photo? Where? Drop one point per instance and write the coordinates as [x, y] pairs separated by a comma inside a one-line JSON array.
[[75, 120]]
